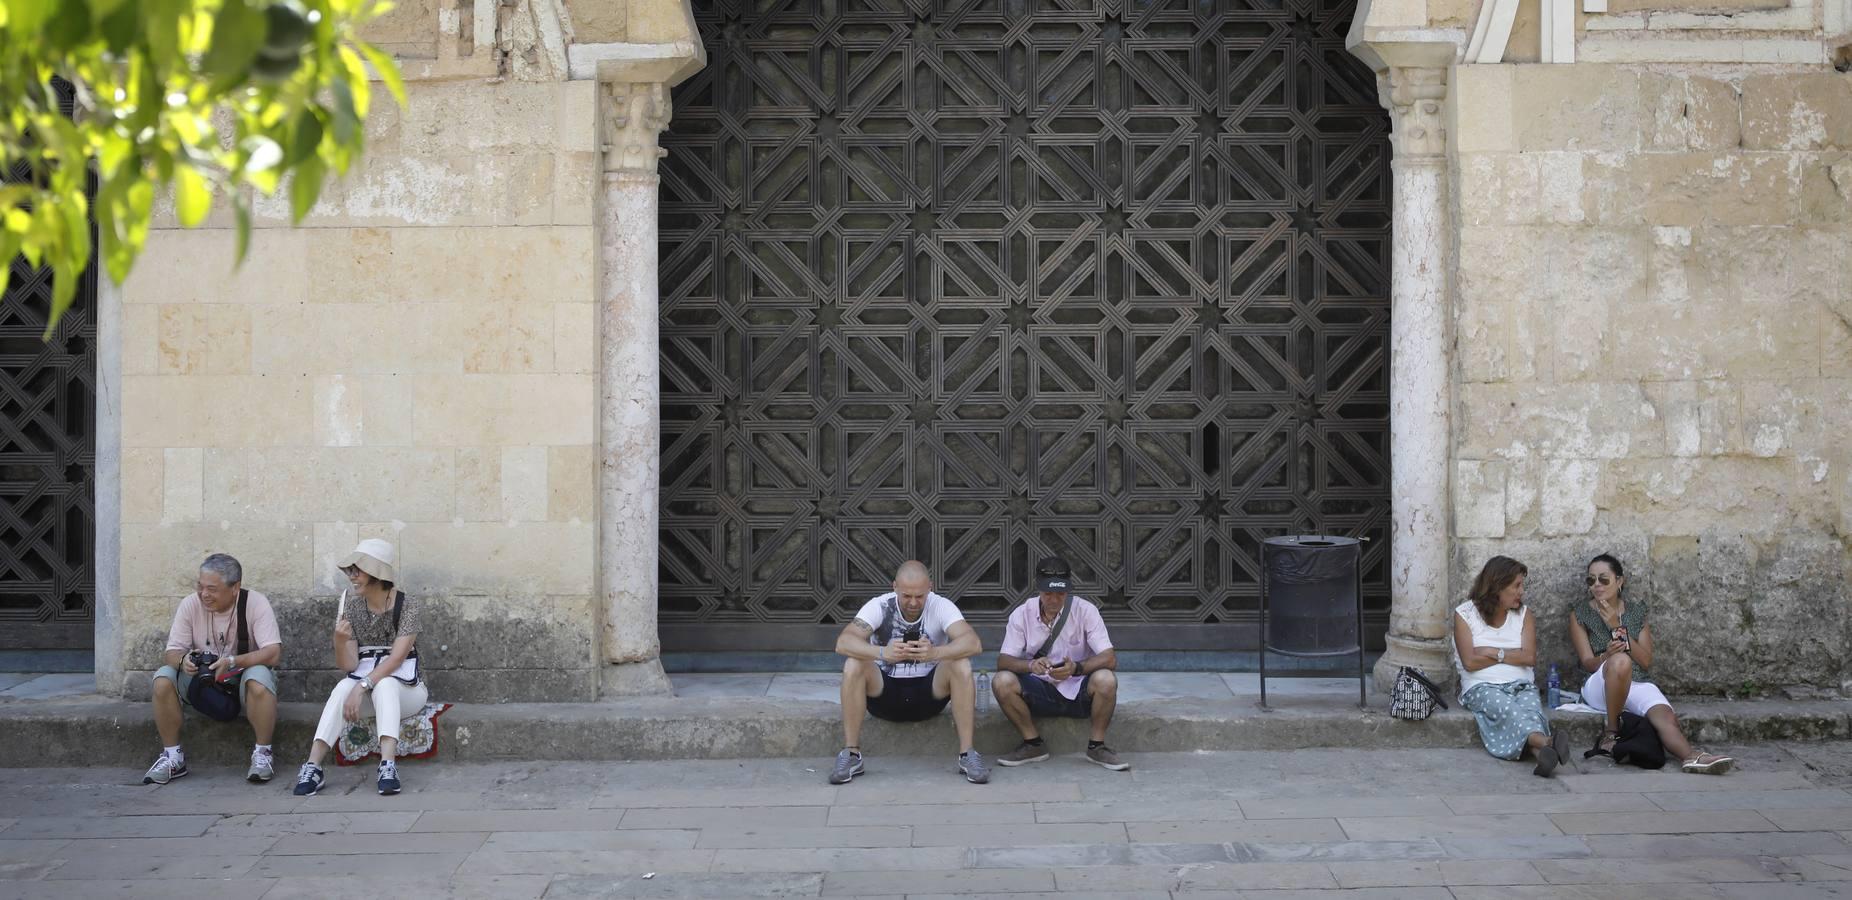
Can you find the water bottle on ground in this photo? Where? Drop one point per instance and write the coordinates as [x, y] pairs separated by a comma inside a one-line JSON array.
[[1556, 688], [983, 691]]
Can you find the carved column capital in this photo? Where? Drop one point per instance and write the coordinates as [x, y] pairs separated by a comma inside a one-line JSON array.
[[633, 115], [1415, 98]]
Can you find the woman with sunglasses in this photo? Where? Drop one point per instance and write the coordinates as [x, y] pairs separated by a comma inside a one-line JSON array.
[[1618, 675], [1495, 646]]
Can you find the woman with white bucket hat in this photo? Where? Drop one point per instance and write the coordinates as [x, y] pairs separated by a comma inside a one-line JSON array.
[[376, 645]]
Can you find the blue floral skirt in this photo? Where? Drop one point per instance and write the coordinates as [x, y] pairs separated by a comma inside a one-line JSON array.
[[1508, 715]]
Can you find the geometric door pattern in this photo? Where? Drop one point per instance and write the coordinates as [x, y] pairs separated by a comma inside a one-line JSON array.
[[47, 460], [974, 282]]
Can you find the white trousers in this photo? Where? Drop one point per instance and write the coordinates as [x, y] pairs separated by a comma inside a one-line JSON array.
[[1641, 695], [388, 703]]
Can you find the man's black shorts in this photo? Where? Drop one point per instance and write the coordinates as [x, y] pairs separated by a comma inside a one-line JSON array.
[[906, 699], [1044, 700]]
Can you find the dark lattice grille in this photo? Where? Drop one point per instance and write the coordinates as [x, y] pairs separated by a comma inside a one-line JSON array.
[[975, 281], [47, 459]]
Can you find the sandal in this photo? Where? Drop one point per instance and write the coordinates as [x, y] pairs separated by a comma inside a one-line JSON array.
[[1708, 764]]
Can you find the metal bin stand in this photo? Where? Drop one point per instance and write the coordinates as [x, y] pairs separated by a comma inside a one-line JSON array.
[[1316, 580]]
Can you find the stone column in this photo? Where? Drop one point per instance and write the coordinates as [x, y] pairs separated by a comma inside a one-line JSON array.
[[1420, 372], [632, 115]]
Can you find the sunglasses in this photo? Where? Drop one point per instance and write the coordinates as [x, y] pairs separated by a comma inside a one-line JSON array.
[[1604, 580]]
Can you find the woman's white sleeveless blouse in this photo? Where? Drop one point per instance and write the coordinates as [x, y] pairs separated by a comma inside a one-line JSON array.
[[1510, 636]]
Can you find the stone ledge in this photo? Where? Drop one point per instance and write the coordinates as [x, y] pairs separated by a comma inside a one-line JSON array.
[[95, 731]]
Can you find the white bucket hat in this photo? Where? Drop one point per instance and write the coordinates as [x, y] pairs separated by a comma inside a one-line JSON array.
[[374, 557]]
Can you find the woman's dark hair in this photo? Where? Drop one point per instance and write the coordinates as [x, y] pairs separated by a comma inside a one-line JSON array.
[[1498, 574], [1612, 564]]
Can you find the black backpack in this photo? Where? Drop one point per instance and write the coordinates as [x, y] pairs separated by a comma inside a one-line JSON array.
[[1638, 744]]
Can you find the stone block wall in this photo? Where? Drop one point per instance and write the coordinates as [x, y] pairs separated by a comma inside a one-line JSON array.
[[1654, 355], [416, 362]]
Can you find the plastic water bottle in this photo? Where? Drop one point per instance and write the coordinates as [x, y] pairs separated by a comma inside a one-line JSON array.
[[1556, 688], [983, 691]]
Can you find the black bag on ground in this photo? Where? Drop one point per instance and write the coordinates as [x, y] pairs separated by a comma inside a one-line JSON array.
[[222, 700], [1638, 744]]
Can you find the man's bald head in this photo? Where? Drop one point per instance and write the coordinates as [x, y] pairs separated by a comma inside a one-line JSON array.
[[911, 571], [911, 585]]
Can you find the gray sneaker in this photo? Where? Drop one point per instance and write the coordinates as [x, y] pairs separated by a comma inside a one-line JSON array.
[[164, 770], [848, 765], [971, 765], [1104, 757], [1023, 754], [263, 766]]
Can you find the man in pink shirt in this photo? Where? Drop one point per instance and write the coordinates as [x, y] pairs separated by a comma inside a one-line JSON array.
[[214, 636], [1057, 660]]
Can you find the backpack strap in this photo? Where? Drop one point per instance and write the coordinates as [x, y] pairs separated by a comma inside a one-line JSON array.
[[244, 624], [398, 606], [1054, 632]]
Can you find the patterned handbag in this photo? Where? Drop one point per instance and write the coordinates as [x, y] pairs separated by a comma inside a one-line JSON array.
[[1413, 697]]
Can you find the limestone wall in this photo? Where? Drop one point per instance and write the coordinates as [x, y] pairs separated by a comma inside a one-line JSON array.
[[414, 363], [1654, 353]]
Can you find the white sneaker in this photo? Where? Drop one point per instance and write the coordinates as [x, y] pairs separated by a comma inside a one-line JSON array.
[[165, 769], [263, 766]]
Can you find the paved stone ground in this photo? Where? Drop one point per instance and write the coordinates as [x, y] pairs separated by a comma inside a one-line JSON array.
[[1317, 823]]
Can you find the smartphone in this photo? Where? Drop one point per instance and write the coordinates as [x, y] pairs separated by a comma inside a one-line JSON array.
[[913, 634]]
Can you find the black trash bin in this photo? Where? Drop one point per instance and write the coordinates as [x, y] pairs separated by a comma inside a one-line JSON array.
[[1311, 604]]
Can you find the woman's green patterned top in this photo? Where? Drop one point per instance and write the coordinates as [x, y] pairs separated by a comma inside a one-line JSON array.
[[1599, 634]]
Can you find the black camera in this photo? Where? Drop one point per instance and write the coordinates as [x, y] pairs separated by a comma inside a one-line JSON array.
[[203, 659]]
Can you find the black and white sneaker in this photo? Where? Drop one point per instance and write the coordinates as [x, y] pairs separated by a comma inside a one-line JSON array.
[[308, 780], [388, 778]]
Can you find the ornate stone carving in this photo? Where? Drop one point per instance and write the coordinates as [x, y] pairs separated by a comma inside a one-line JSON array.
[[531, 39], [1415, 97], [634, 116]]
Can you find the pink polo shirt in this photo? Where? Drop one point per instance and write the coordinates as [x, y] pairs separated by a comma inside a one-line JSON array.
[[1083, 636], [198, 628]]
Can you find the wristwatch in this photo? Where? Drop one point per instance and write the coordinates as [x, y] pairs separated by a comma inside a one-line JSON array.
[[366, 684], [1501, 654]]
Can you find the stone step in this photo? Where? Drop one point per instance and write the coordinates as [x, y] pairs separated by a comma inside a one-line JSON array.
[[95, 731]]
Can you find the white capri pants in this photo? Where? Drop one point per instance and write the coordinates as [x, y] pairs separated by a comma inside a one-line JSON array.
[[388, 702], [1641, 695]]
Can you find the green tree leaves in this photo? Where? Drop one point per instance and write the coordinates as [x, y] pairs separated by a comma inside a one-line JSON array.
[[208, 98]]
